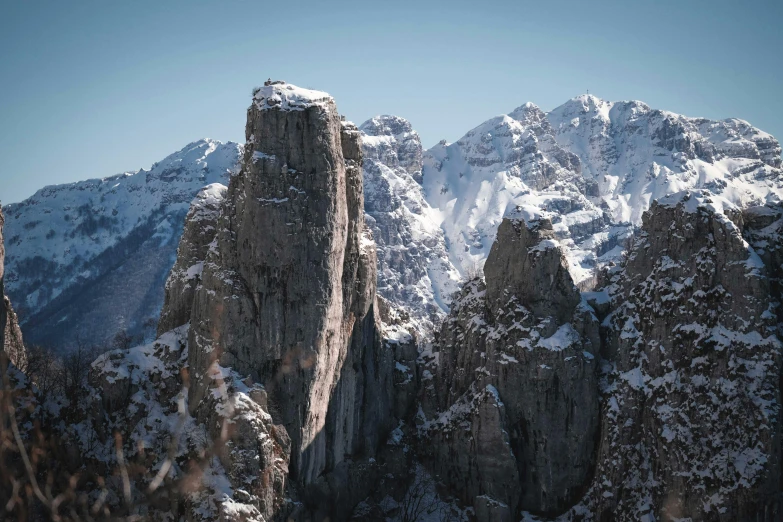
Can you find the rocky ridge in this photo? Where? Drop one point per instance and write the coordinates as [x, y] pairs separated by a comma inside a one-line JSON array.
[[89, 259], [594, 167], [199, 231], [414, 270], [591, 166], [689, 382], [657, 397], [693, 395]]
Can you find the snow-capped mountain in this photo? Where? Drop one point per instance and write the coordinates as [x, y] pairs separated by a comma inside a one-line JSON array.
[[593, 167], [88, 259], [414, 271]]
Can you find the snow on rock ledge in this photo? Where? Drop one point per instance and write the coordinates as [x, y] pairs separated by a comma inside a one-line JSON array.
[[691, 428], [286, 97]]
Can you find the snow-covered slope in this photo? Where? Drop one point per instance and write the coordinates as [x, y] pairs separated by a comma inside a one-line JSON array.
[[592, 167], [88, 259], [635, 154], [414, 271]]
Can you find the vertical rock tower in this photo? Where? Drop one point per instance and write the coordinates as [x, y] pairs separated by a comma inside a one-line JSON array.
[[287, 291], [516, 426]]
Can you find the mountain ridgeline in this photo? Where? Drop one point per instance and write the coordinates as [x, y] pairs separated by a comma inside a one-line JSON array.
[[88, 260], [564, 316]]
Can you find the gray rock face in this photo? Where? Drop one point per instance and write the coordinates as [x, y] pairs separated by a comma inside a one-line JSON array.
[[763, 229], [691, 426], [288, 290], [517, 382], [404, 150], [10, 333], [540, 281], [13, 344], [199, 231]]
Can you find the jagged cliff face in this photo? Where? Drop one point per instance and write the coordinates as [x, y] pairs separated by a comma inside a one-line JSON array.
[[10, 334], [689, 388], [3, 309], [288, 286], [414, 270], [200, 228], [88, 259], [516, 422], [693, 402]]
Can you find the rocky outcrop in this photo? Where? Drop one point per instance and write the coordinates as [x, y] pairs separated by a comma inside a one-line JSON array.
[[199, 231], [10, 333], [516, 422], [392, 141], [763, 229], [13, 344], [241, 455], [691, 421], [287, 293], [414, 270]]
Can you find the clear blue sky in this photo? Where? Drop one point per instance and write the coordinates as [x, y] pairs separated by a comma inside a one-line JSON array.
[[93, 88]]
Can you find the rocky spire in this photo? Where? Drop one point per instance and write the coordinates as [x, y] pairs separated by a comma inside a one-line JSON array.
[[288, 286], [527, 263], [517, 386]]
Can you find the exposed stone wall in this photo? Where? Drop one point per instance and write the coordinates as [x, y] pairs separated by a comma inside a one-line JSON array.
[[517, 383], [199, 231], [693, 404], [288, 287]]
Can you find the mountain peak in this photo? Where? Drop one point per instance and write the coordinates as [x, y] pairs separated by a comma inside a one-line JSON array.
[[386, 125], [529, 113], [526, 107], [582, 104], [287, 97]]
